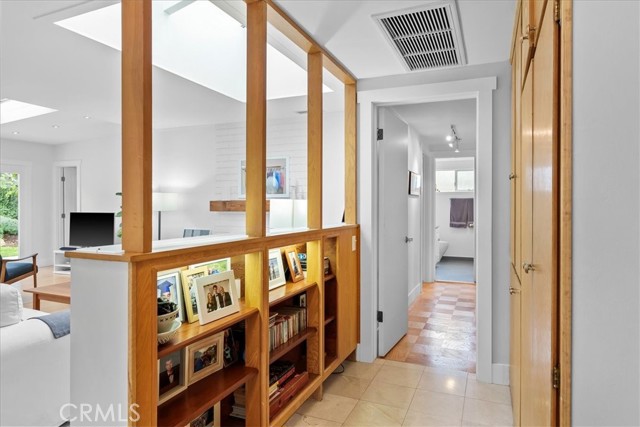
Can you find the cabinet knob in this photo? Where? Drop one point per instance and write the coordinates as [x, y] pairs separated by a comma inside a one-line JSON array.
[[527, 267]]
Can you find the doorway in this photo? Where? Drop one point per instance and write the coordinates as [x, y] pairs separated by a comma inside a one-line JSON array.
[[67, 194], [455, 237]]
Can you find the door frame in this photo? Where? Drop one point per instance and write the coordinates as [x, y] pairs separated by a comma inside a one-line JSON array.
[[481, 90], [57, 166]]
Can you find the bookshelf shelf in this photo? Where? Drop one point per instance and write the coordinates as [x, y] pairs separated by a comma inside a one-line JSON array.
[[200, 396], [329, 320], [285, 413], [329, 277], [189, 333], [289, 290], [285, 348]]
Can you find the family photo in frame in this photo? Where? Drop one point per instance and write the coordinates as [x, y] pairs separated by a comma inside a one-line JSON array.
[[189, 290], [216, 296], [171, 376], [205, 357], [295, 268], [276, 269]]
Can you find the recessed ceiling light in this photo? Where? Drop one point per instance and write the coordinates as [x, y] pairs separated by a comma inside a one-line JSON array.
[[15, 132], [87, 117], [12, 110], [55, 126]]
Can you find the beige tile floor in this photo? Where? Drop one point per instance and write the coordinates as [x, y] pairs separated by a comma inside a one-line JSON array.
[[391, 393]]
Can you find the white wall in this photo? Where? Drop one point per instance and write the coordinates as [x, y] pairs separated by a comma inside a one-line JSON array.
[[606, 111], [462, 241], [414, 162], [38, 234]]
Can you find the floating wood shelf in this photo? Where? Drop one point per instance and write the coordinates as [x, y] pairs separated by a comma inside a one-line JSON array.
[[189, 333], [294, 341], [200, 396], [232, 205]]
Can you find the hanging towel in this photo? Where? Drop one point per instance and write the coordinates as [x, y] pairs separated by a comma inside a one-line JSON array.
[[461, 213]]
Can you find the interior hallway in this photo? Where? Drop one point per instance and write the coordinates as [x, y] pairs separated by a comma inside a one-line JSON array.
[[442, 328]]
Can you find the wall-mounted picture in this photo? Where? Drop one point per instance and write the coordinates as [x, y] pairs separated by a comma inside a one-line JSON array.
[[295, 268], [209, 418], [277, 178], [204, 357], [189, 291], [169, 288], [171, 375], [213, 267], [415, 183], [276, 269], [216, 296]]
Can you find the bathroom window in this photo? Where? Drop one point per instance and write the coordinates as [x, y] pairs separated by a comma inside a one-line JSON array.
[[452, 181]]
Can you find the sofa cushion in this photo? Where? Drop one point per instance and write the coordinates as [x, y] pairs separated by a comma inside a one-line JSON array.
[[15, 269], [10, 305]]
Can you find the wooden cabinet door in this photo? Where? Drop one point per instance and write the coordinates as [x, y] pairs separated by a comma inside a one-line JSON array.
[[515, 332], [544, 280], [516, 165], [348, 294]]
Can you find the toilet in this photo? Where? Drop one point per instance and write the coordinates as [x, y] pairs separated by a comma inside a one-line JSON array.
[[441, 246]]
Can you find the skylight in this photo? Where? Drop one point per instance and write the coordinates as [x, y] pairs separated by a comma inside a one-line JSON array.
[[12, 111], [199, 42]]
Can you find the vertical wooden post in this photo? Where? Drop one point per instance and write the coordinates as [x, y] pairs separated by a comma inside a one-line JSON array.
[[350, 155], [136, 125], [314, 140], [256, 117]]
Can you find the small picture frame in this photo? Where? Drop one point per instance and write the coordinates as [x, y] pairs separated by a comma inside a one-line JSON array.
[[295, 268], [168, 287], [276, 269], [216, 266], [231, 349], [216, 296], [189, 291], [415, 183], [171, 376], [209, 418], [204, 357]]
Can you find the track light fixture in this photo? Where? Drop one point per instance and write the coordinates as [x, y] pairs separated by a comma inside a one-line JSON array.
[[454, 140]]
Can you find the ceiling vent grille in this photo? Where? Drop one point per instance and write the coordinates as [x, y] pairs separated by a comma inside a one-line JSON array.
[[425, 38]]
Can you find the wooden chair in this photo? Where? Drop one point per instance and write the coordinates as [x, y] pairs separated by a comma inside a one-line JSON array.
[[11, 270]]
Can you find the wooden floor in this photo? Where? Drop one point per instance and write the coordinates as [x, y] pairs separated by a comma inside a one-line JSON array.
[[45, 277], [442, 328]]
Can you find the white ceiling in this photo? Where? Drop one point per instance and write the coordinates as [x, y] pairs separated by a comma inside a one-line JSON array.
[[433, 122], [44, 64]]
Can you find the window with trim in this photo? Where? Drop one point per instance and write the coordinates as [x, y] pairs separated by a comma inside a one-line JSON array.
[[452, 181]]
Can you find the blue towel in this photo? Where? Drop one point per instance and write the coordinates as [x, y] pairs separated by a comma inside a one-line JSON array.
[[59, 323]]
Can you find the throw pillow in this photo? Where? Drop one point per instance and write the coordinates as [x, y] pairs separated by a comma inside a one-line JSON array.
[[10, 305]]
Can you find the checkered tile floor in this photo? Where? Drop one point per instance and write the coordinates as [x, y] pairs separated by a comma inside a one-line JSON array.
[[442, 328]]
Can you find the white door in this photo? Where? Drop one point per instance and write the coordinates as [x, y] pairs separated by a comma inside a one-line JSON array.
[[393, 296]]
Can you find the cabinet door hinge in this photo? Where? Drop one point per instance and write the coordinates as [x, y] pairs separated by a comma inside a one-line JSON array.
[[380, 134], [379, 317], [556, 377]]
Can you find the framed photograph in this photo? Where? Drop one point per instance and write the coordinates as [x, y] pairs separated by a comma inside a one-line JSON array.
[[204, 357], [189, 291], [277, 178], [415, 184], [291, 253], [213, 267], [209, 418], [171, 375], [169, 288], [216, 296], [231, 348], [276, 269]]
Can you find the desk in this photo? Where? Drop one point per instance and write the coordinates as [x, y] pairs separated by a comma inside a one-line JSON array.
[[60, 292]]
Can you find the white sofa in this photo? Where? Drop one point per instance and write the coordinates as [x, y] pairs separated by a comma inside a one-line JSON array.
[[34, 374]]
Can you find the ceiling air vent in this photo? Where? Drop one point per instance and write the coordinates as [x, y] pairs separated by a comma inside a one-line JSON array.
[[427, 37]]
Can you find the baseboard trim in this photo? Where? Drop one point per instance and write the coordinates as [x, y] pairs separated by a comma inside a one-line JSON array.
[[500, 374], [415, 293]]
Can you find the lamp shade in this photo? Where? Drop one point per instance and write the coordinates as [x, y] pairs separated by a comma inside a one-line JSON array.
[[164, 202]]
